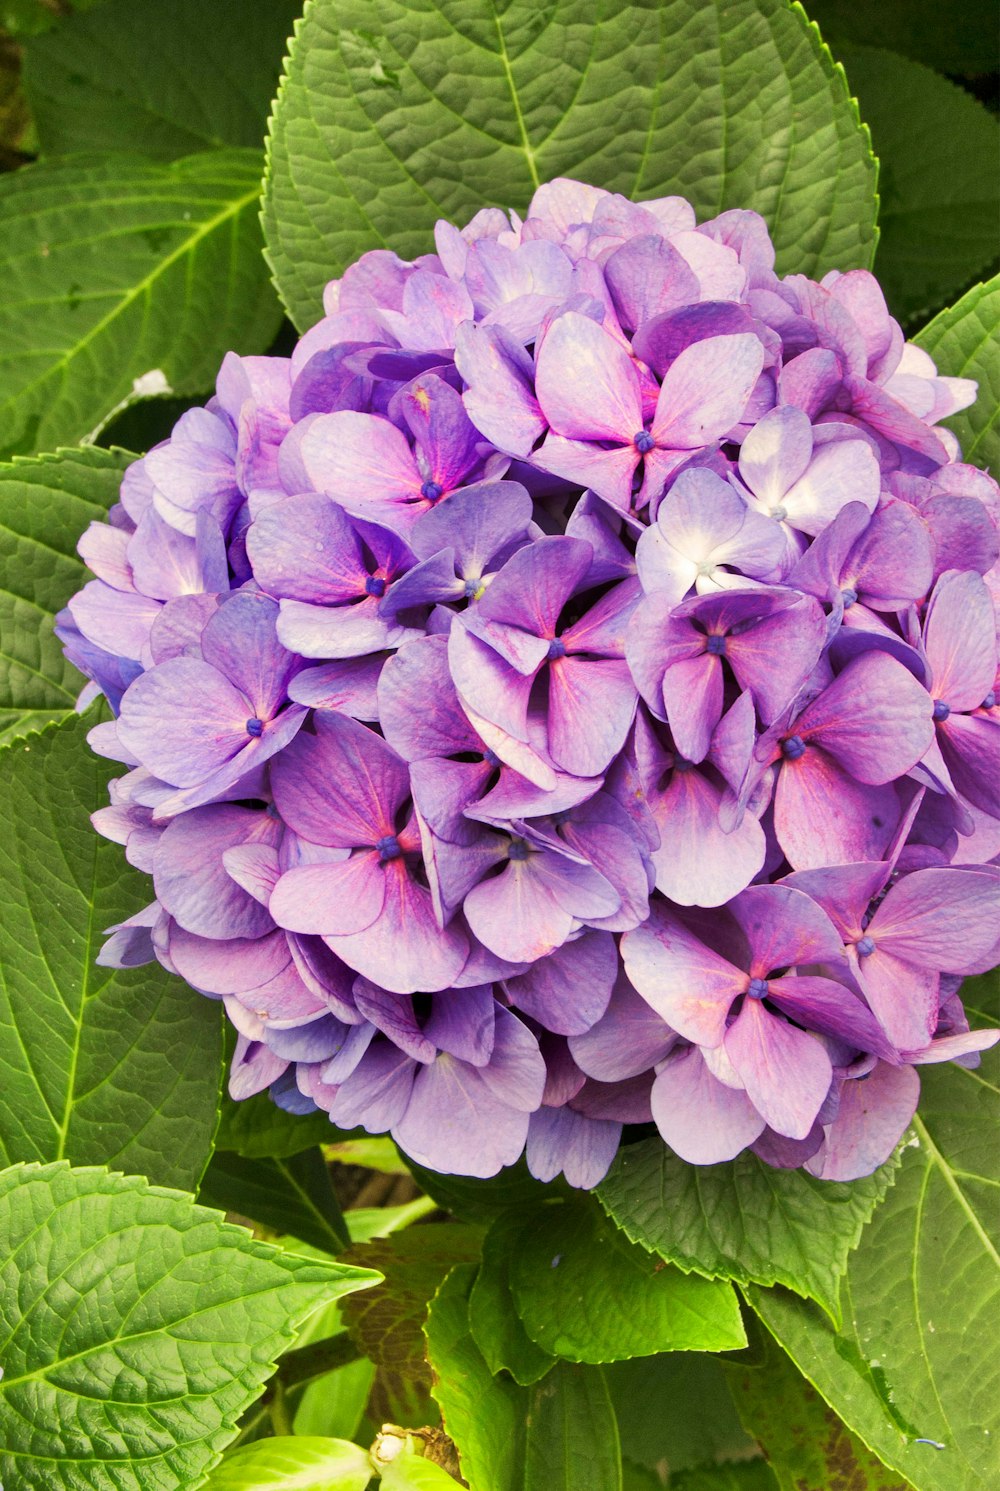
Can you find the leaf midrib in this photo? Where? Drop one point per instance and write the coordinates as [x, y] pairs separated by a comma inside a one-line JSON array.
[[938, 1159]]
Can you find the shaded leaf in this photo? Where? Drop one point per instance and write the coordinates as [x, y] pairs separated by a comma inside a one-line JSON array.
[[173, 85], [953, 38], [97, 1065], [729, 104], [151, 1326], [291, 1195], [939, 201], [387, 1324], [559, 1435], [258, 1129], [743, 1220], [112, 268], [493, 1319], [914, 1366], [473, 1200], [964, 341], [660, 1403], [584, 1292], [45, 504], [747, 1475]]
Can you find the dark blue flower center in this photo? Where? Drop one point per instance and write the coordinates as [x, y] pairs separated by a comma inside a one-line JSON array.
[[757, 989], [375, 585], [848, 596], [717, 645], [793, 747], [388, 848], [643, 442], [255, 727], [432, 490], [865, 946], [491, 757], [557, 648], [941, 709], [990, 700], [518, 849]]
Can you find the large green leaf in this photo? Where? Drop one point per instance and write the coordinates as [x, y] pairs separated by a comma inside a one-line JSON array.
[[97, 1065], [474, 1200], [964, 341], [743, 1220], [584, 1292], [493, 1318], [660, 1403], [939, 203], [559, 1435], [957, 38], [124, 276], [167, 87], [396, 113], [292, 1195], [45, 504], [386, 1324], [915, 1371], [258, 1129], [808, 1446], [293, 1463], [135, 1328]]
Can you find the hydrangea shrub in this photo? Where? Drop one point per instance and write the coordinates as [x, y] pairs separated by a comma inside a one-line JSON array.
[[562, 694]]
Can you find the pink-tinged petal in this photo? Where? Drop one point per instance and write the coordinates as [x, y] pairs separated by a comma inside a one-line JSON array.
[[516, 797], [810, 380], [591, 706], [705, 391], [238, 965], [888, 417], [702, 1120], [875, 719], [404, 950], [687, 983], [104, 550], [253, 1069], [629, 1038], [359, 459], [437, 420], [563, 1142], [960, 640], [500, 397], [488, 686], [943, 919], [697, 864], [455, 1125], [513, 751], [601, 629], [183, 720], [893, 558], [241, 641], [569, 990], [784, 926], [840, 471], [191, 881], [822, 816], [254, 867], [903, 995], [774, 657], [692, 697], [646, 277], [787, 1073], [586, 383], [776, 453], [533, 586], [872, 1116], [843, 891], [970, 745], [342, 785], [824, 1005], [609, 472], [719, 272], [464, 1024], [951, 1047], [516, 917], [331, 898], [349, 686], [377, 1092]]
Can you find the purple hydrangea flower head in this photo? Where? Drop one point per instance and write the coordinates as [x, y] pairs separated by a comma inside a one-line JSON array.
[[563, 694]]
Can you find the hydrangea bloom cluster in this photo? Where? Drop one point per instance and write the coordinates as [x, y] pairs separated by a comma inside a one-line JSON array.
[[562, 695]]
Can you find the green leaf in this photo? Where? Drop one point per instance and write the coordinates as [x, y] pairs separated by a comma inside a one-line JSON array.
[[138, 1328], [45, 504], [964, 341], [371, 1153], [915, 1365], [124, 276], [747, 1475], [808, 1446], [335, 1402], [584, 1292], [493, 1319], [387, 1324], [411, 1472], [287, 1463], [559, 1435], [660, 1403], [391, 117], [171, 86], [473, 1200], [97, 1065], [939, 207], [30, 17], [743, 1220], [952, 38], [258, 1129], [292, 1195]]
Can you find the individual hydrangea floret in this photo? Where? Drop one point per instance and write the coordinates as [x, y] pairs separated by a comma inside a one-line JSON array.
[[563, 695]]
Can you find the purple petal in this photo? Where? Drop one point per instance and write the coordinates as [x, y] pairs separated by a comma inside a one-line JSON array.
[[330, 899], [697, 864], [875, 719], [687, 983], [454, 1124], [587, 385], [190, 878], [463, 1023], [872, 1116], [563, 1142], [629, 1038], [647, 277], [776, 453], [404, 950], [348, 686], [569, 990], [591, 705], [960, 640], [787, 1073], [500, 398], [705, 391], [342, 785], [703, 1120]]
